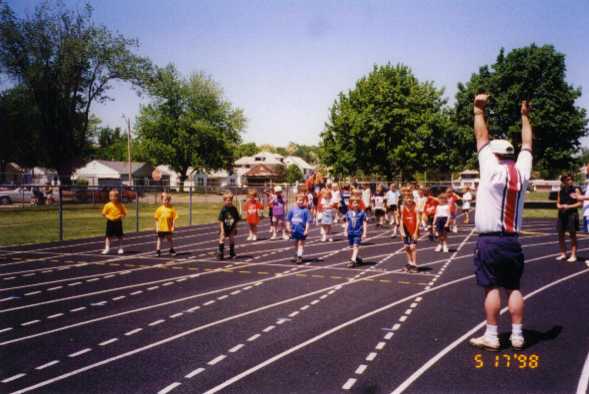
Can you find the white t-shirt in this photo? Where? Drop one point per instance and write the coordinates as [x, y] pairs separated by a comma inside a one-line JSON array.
[[501, 192], [366, 196], [421, 203], [443, 211], [466, 199], [392, 198], [586, 202], [378, 201]]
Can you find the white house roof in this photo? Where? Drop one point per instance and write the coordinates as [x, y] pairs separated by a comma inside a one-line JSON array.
[[165, 169], [299, 162], [109, 169], [469, 172], [259, 158]]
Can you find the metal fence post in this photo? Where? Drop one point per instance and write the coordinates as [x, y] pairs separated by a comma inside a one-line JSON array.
[[136, 210], [190, 205], [60, 212]]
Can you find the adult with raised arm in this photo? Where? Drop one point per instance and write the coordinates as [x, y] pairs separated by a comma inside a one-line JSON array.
[[498, 258]]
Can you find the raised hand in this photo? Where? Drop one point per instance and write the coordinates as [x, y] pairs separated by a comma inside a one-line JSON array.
[[480, 102], [524, 108]]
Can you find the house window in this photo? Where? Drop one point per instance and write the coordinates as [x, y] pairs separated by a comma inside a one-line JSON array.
[[232, 181], [201, 181]]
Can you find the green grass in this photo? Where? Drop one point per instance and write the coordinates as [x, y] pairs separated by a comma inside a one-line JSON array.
[[537, 196], [40, 224], [540, 214]]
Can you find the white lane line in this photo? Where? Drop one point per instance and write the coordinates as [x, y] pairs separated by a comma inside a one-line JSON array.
[[31, 274], [8, 299], [584, 379], [169, 388], [194, 308], [181, 280], [349, 383], [217, 359], [371, 356], [74, 284], [92, 280], [12, 277], [133, 332], [109, 276], [152, 288], [380, 345], [236, 348], [118, 298], [79, 353], [155, 323], [294, 314], [54, 316], [108, 342], [78, 309], [361, 368], [413, 305], [6, 329], [303, 308], [253, 338], [137, 292], [408, 311], [55, 288], [396, 327], [47, 365], [389, 335], [30, 322], [324, 296], [12, 378], [314, 302], [33, 293], [411, 379], [269, 328], [247, 288], [194, 373], [175, 315], [403, 318], [168, 284], [235, 292], [209, 302], [222, 297]]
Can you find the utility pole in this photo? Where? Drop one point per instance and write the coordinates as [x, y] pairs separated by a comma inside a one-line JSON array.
[[129, 150]]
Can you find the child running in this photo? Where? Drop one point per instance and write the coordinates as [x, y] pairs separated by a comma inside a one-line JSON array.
[[356, 229], [114, 212], [466, 200], [378, 202], [410, 231], [278, 211], [452, 202], [429, 211], [297, 225], [253, 208], [442, 222], [228, 218], [165, 223], [325, 215]]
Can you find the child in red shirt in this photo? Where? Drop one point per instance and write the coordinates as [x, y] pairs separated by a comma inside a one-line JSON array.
[[452, 200], [430, 211], [410, 231], [253, 208]]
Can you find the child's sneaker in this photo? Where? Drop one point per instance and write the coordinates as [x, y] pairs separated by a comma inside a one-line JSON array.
[[105, 251], [172, 252], [351, 264], [285, 237], [120, 251], [359, 261], [561, 257], [445, 248], [299, 260], [455, 229], [486, 343], [572, 259], [330, 239], [438, 248], [220, 256], [323, 238], [517, 341], [231, 252], [249, 237], [273, 237], [254, 238], [158, 253]]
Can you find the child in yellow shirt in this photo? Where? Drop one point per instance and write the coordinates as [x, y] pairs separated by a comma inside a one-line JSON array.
[[114, 212], [165, 223]]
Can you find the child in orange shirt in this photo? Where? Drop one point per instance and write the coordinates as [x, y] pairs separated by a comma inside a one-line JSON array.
[[114, 212], [253, 207], [165, 223], [410, 231]]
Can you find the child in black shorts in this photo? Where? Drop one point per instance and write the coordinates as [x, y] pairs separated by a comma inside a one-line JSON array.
[[228, 218]]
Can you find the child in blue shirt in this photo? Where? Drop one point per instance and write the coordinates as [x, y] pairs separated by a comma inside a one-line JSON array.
[[297, 225], [356, 229]]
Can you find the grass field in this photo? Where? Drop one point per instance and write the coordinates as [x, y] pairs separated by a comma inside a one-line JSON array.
[[40, 224]]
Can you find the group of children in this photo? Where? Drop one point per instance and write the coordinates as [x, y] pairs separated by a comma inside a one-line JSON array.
[[407, 211]]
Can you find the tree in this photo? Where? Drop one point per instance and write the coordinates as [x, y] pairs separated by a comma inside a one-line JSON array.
[[20, 124], [189, 123], [246, 149], [294, 174], [389, 124], [111, 144], [309, 153], [536, 74], [67, 63]]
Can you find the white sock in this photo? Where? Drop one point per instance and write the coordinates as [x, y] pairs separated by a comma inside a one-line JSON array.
[[491, 331], [300, 252], [516, 330]]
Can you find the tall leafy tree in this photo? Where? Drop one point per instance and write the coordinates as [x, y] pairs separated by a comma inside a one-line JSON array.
[[294, 174], [389, 124], [537, 74], [189, 123], [68, 63]]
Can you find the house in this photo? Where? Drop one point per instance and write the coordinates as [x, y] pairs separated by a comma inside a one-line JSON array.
[[306, 168], [107, 173], [469, 178], [260, 174]]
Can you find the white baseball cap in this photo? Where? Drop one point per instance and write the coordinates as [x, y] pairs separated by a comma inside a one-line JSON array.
[[277, 189], [501, 147]]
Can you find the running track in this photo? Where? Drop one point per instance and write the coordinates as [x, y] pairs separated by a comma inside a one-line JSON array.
[[74, 321]]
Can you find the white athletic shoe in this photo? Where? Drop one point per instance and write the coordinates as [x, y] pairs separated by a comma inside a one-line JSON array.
[[438, 248], [105, 251], [120, 251], [486, 343], [445, 248], [572, 259], [587, 263], [323, 238], [330, 239], [517, 341], [254, 237], [249, 237], [285, 237], [455, 229], [273, 237], [561, 257]]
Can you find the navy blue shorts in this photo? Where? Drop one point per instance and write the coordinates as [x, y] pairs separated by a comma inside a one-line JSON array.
[[354, 239], [441, 225], [298, 236], [499, 261]]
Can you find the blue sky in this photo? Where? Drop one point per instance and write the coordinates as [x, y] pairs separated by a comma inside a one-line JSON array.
[[284, 62]]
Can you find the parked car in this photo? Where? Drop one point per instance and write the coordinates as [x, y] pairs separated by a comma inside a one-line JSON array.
[[17, 195]]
